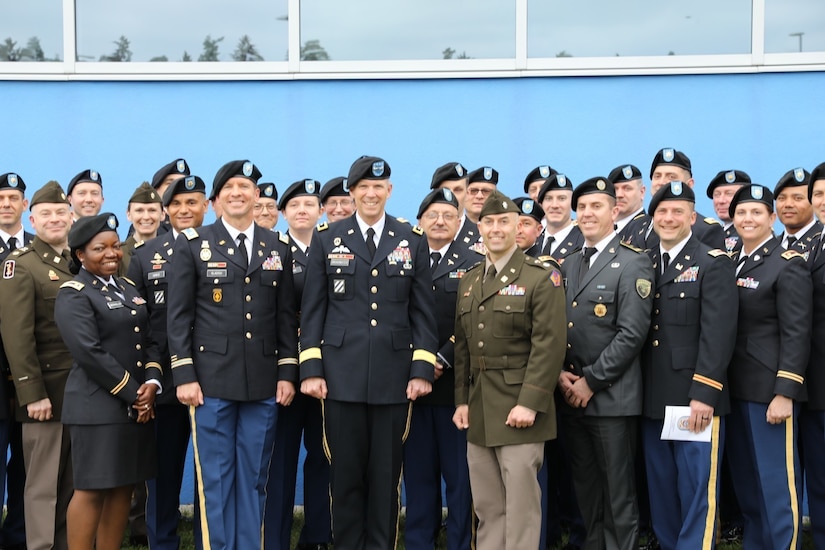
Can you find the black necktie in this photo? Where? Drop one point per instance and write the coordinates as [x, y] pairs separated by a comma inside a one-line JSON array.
[[548, 246], [741, 263], [113, 288], [242, 249], [12, 243], [588, 253], [665, 262], [791, 241], [371, 242], [435, 257]]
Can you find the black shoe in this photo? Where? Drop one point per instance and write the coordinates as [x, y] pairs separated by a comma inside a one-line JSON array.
[[732, 535], [18, 546], [138, 540], [651, 542]]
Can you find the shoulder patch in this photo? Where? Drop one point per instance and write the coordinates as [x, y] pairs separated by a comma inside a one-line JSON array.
[[8, 269], [417, 230], [403, 220], [716, 253], [790, 254], [128, 280], [631, 247], [190, 233], [284, 238], [77, 285], [141, 243], [323, 226], [711, 221]]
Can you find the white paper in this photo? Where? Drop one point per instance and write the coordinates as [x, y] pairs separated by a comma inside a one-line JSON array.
[[676, 428]]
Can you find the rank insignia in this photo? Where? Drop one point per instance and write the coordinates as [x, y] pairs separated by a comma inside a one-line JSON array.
[[730, 177], [756, 192], [643, 288], [447, 194], [555, 278], [181, 165], [459, 170], [799, 174], [378, 168], [189, 183], [627, 172], [8, 269], [12, 180], [217, 295], [488, 173], [600, 310]]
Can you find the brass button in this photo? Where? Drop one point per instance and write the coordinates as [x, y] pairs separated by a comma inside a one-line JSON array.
[[375, 273], [481, 308], [200, 348], [681, 295], [657, 295], [480, 344], [139, 363], [481, 326], [374, 290], [248, 316], [373, 322], [656, 312], [246, 280], [569, 346], [338, 270], [374, 306], [137, 346], [401, 272], [134, 312], [570, 324], [248, 298], [156, 282], [655, 343], [574, 304], [137, 329], [216, 281], [248, 336], [655, 327], [507, 307]]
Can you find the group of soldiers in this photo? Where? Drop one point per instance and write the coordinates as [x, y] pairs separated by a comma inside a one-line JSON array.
[[524, 357]]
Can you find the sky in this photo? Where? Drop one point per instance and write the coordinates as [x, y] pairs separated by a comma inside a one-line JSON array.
[[418, 29]]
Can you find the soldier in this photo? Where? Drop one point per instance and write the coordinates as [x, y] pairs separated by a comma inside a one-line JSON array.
[[767, 374], [608, 311], [453, 176], [795, 212], [529, 226], [40, 364], [632, 221], [266, 206], [509, 346], [368, 349], [232, 325], [481, 182], [145, 211], [300, 207], [12, 205], [434, 447], [562, 237], [684, 363], [536, 178], [336, 200], [672, 165], [86, 194], [721, 190], [160, 182], [185, 205]]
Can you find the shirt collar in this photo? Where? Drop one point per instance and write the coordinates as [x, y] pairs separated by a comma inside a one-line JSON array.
[[377, 226], [676, 250]]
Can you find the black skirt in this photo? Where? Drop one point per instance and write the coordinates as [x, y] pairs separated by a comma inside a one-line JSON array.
[[105, 456]]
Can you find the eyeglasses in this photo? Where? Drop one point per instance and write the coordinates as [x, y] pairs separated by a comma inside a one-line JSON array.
[[447, 217], [332, 205], [479, 191], [269, 207]]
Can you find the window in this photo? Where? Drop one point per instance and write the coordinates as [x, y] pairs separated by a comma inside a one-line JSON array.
[[31, 31], [794, 26]]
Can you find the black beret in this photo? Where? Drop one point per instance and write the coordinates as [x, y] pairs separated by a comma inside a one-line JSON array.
[[728, 177], [336, 187], [268, 191], [186, 184], [498, 203], [671, 157], [448, 172], [593, 185], [671, 191], [236, 168], [300, 188], [537, 174], [84, 229], [557, 182], [145, 194], [625, 172], [444, 196], [752, 192], [367, 168], [529, 207], [792, 178], [817, 174], [175, 167], [92, 176], [12, 181], [49, 193], [483, 174]]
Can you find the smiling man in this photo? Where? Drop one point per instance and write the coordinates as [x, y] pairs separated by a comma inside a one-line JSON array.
[[795, 212], [562, 237], [721, 190], [85, 193]]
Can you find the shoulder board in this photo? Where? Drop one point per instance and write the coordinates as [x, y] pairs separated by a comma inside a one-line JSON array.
[[790, 254], [403, 220], [323, 226], [547, 263], [21, 250], [141, 243], [128, 280], [631, 247], [546, 259], [716, 253], [190, 233], [639, 216], [417, 230], [78, 286], [476, 266], [284, 238], [711, 221], [479, 252], [575, 222]]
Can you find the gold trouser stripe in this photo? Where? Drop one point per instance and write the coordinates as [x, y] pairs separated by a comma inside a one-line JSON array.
[[121, 384], [424, 355], [710, 534], [328, 454], [199, 475], [401, 474], [789, 467]]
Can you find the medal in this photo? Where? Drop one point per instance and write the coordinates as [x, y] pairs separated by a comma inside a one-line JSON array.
[[600, 310]]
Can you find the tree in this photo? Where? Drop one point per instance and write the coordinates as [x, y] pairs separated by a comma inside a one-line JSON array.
[[313, 51], [33, 51], [564, 53], [122, 51], [246, 51], [210, 49], [9, 50], [159, 58], [449, 53], [186, 56]]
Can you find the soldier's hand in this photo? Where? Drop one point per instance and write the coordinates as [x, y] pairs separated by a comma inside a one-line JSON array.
[[40, 410], [315, 386], [461, 417], [521, 417], [566, 381], [418, 387], [439, 369], [580, 393], [190, 394], [779, 410], [285, 392], [701, 415]]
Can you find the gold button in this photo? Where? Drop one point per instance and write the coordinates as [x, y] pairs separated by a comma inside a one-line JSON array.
[[655, 327], [570, 324], [248, 316], [481, 308], [373, 322], [681, 295], [134, 312], [246, 280], [401, 272], [574, 304], [139, 363], [375, 273], [274, 283], [656, 312], [216, 281], [137, 346], [338, 270], [248, 336], [156, 282], [200, 348], [480, 344], [374, 290], [374, 306], [507, 307], [569, 346], [481, 326], [248, 298], [137, 329], [655, 343], [657, 295]]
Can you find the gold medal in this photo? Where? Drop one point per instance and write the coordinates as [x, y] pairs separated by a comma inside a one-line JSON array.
[[217, 295], [600, 310], [206, 255]]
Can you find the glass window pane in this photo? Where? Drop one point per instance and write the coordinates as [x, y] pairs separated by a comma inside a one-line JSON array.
[[176, 30], [407, 29], [31, 30], [602, 28], [794, 26]]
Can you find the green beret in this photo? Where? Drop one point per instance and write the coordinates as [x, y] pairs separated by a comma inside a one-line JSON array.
[[145, 194], [50, 193], [498, 203]]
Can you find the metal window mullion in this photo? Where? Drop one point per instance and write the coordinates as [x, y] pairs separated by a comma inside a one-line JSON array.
[[69, 37], [521, 34], [294, 35], [758, 32]]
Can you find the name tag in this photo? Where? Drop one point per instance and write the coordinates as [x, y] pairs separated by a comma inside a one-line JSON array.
[[340, 260], [217, 272], [114, 305], [152, 275]]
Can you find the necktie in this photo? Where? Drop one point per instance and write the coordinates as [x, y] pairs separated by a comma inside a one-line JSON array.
[[548, 245], [791, 241], [371, 242], [665, 262], [244, 255], [741, 263], [114, 290], [12, 243], [435, 257], [585, 267], [490, 275]]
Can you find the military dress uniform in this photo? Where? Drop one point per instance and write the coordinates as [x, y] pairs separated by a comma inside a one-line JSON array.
[[469, 235], [706, 230], [367, 327], [232, 327], [804, 243], [686, 357]]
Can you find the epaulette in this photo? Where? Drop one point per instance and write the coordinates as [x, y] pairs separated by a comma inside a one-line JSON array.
[[283, 237], [323, 226], [717, 252], [141, 243], [548, 262], [635, 249], [790, 254], [78, 286], [403, 220], [711, 221], [128, 280], [639, 215], [21, 250], [190, 233], [417, 230]]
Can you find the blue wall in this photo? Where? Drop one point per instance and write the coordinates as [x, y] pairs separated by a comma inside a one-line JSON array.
[[765, 124]]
